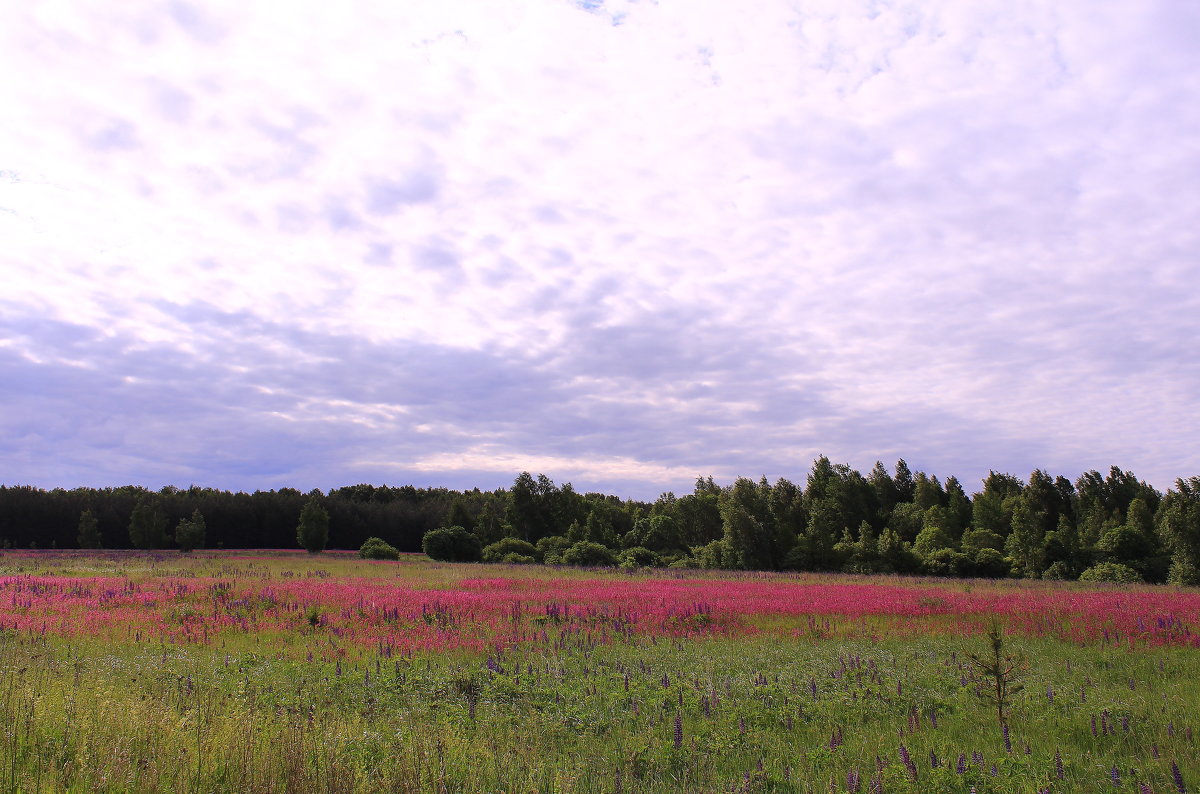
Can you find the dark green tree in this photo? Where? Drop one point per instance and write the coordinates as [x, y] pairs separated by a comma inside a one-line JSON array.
[[459, 516], [928, 491], [190, 532], [906, 488], [89, 531], [744, 537], [147, 527], [312, 533], [1026, 543], [452, 544], [958, 507], [1179, 526]]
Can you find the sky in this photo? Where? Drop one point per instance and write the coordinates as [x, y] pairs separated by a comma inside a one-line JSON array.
[[252, 245]]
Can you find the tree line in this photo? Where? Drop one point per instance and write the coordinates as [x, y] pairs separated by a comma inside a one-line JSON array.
[[1107, 527]]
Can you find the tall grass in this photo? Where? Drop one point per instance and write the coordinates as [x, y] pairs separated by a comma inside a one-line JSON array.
[[586, 683]]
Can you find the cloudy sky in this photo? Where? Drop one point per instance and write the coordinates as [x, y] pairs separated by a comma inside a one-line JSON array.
[[258, 244]]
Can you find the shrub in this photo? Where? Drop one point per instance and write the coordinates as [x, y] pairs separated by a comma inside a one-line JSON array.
[[588, 554], [990, 563], [451, 544], [946, 562], [1111, 572], [378, 549], [1059, 571], [512, 558], [551, 548], [639, 557], [498, 551]]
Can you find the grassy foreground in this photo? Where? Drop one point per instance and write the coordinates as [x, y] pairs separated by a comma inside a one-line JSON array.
[[286, 672]]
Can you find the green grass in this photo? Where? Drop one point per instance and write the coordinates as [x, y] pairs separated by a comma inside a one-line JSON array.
[[569, 715]]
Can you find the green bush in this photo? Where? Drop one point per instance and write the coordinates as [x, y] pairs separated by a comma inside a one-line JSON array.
[[639, 557], [378, 549], [550, 549], [1111, 572], [946, 562], [451, 544], [588, 554], [498, 551], [990, 563], [512, 558]]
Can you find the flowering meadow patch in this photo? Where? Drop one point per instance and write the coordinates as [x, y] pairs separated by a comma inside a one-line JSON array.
[[291, 672], [479, 613]]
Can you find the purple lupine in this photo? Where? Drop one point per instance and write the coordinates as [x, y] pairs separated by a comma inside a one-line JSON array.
[[977, 757], [678, 730], [1177, 776], [932, 718], [1115, 774], [906, 759], [1171, 729], [1125, 723], [1154, 750], [741, 725], [1007, 738], [1093, 725], [993, 771], [961, 766], [1144, 788], [1050, 693], [1058, 765], [853, 781], [933, 760]]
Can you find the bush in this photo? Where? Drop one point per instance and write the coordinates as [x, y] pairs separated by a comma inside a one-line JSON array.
[[946, 562], [551, 548], [1113, 572], [378, 549], [451, 544], [498, 551], [586, 553], [990, 563], [512, 558], [639, 557], [1058, 571]]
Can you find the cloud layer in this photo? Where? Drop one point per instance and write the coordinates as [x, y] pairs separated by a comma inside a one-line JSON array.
[[621, 243]]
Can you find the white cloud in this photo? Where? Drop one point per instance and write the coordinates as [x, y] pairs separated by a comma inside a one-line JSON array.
[[962, 233]]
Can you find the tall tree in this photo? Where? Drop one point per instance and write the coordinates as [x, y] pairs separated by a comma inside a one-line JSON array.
[[312, 532], [906, 488], [190, 532], [147, 527], [886, 493], [1179, 525], [958, 507], [1026, 541], [88, 536]]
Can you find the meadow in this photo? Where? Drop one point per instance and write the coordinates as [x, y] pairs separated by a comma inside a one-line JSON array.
[[289, 672]]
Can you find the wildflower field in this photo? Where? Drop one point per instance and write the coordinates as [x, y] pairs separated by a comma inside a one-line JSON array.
[[289, 672]]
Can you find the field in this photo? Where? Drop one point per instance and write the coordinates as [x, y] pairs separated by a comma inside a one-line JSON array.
[[288, 672]]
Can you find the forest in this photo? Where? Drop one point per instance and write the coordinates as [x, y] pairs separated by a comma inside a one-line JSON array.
[[1101, 527]]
